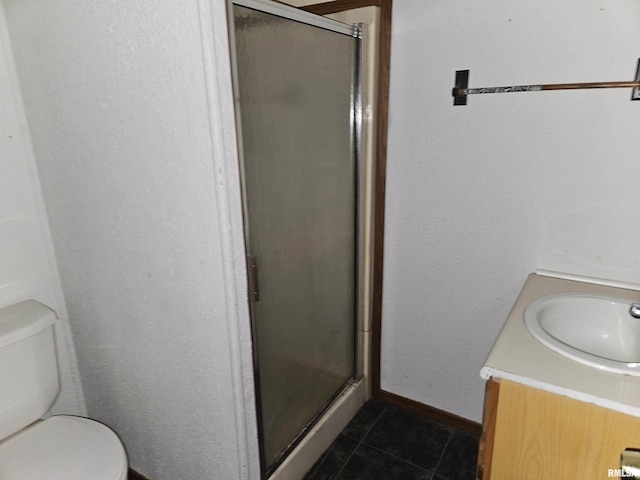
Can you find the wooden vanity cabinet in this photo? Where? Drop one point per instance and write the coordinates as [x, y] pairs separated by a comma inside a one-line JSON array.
[[531, 434]]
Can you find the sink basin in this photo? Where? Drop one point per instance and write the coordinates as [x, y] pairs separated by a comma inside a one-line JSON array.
[[593, 330]]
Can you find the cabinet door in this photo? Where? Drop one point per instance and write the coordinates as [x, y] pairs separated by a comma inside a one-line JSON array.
[[540, 435]]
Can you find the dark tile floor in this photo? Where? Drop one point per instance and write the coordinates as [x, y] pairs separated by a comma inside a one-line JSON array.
[[384, 442]]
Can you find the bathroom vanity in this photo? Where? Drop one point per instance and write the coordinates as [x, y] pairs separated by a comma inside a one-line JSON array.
[[549, 415]]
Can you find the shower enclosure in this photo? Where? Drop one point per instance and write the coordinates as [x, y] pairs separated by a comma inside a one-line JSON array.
[[298, 105]]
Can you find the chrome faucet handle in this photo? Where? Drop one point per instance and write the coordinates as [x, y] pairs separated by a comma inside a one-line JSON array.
[[634, 310]]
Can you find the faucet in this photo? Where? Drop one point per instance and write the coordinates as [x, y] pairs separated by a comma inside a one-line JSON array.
[[634, 310]]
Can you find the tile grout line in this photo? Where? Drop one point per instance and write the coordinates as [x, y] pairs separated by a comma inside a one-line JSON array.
[[321, 461], [433, 472], [404, 460], [442, 455], [359, 443], [345, 463]]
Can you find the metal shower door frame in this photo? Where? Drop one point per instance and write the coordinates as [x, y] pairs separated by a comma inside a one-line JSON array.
[[357, 31]]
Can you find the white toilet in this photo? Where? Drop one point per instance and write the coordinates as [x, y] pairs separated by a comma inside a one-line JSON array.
[[60, 447]]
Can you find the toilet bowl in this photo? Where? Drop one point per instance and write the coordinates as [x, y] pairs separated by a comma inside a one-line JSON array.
[[61, 447]]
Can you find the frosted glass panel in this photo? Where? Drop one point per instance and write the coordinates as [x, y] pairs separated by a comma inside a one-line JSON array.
[[295, 84]]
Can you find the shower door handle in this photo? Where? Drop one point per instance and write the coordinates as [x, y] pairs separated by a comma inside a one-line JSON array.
[[252, 279]]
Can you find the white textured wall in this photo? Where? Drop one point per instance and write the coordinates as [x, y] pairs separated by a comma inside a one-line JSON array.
[[479, 196], [134, 143], [27, 261]]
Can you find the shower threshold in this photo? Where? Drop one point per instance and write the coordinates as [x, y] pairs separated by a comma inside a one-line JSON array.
[[316, 437]]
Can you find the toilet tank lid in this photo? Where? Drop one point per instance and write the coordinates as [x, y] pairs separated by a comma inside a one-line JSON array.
[[23, 320]]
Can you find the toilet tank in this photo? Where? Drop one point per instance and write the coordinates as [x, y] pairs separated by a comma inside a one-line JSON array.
[[28, 368]]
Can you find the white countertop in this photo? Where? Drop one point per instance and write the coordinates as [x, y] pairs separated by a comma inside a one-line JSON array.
[[518, 356]]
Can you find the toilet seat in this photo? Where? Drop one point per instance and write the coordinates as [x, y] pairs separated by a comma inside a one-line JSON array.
[[63, 448]]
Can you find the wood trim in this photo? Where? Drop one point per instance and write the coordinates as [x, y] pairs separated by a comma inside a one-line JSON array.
[[327, 8], [485, 449], [133, 475], [432, 412], [380, 169], [380, 187]]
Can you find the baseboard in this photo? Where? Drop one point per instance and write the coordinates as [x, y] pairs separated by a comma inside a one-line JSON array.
[[133, 475], [430, 412]]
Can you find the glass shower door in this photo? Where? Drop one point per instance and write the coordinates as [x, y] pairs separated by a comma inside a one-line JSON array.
[[296, 106]]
